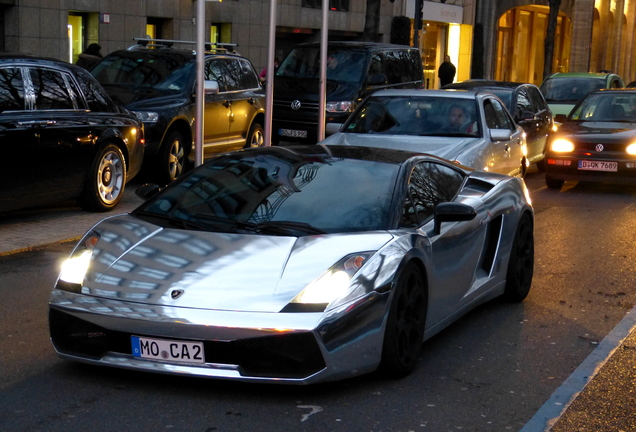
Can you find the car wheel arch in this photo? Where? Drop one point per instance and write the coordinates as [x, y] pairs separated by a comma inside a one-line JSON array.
[[184, 128]]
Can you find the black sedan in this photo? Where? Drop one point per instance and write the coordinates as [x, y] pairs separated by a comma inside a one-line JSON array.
[[62, 137], [596, 142], [528, 108]]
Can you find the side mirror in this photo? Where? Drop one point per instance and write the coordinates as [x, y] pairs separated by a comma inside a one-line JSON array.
[[332, 128], [147, 191], [500, 134], [452, 212], [560, 118], [526, 115], [210, 87]]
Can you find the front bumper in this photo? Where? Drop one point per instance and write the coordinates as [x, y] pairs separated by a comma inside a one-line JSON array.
[[568, 168], [293, 348]]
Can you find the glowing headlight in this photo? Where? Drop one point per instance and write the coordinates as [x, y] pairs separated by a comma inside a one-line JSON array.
[[562, 146], [631, 149], [342, 106], [147, 116], [74, 269], [332, 283]]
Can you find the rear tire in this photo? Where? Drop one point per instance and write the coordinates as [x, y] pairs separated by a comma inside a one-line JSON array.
[[105, 180], [256, 136], [553, 183], [521, 263], [406, 321]]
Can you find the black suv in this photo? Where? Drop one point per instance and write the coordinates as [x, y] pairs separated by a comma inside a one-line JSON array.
[[354, 71], [157, 83], [527, 106], [62, 137]]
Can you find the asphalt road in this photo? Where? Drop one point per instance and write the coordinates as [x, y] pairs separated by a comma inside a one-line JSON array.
[[490, 371]]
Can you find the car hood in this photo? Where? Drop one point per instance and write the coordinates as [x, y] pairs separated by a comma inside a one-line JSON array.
[[599, 131], [141, 262], [134, 98], [445, 147], [306, 89]]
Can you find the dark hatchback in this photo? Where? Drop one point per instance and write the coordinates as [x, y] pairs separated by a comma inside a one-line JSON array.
[[596, 142], [157, 83], [528, 108], [62, 137]]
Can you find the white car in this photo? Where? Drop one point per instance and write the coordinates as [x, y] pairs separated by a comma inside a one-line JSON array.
[[472, 128]]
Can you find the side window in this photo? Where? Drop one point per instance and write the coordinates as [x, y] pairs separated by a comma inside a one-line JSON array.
[[376, 66], [94, 93], [11, 89], [523, 101], [51, 90], [213, 70], [496, 116], [538, 101], [430, 184], [249, 78]]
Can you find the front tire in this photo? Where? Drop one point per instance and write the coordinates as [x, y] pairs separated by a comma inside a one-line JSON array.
[[105, 180], [171, 159], [521, 263], [553, 183], [256, 136], [406, 321]]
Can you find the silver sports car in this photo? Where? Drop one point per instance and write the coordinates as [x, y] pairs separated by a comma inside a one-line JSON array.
[[294, 265]]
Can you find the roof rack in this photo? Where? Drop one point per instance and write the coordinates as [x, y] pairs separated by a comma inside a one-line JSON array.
[[167, 43]]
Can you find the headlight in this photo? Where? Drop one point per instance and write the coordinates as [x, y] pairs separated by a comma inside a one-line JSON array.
[[631, 149], [330, 285], [74, 269], [561, 146], [147, 116], [343, 106]]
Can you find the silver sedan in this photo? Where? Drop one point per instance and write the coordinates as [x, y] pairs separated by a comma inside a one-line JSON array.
[[472, 128], [294, 265]]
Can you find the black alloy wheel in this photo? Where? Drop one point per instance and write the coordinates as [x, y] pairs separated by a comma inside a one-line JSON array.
[[521, 263], [404, 332]]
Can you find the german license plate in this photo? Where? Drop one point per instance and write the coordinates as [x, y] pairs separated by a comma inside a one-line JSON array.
[[598, 166], [292, 133], [167, 350]]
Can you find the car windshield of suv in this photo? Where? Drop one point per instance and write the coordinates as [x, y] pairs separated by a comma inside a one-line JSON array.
[[570, 90], [164, 73], [273, 194], [342, 65], [606, 107], [416, 115]]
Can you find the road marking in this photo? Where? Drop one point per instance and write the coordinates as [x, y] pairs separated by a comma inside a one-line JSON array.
[[562, 397], [314, 409]]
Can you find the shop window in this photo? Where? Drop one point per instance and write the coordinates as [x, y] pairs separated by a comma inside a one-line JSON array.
[[83, 30], [334, 5]]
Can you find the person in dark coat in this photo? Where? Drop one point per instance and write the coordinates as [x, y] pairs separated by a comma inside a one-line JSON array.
[[446, 72], [90, 57]]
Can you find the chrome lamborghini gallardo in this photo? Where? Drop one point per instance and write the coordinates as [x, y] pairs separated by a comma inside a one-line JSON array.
[[294, 265]]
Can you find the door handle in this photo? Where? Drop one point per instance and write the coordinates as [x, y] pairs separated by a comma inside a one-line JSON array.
[[251, 101], [227, 104]]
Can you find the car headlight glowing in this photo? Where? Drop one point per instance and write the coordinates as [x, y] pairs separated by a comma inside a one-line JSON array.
[[74, 268], [631, 149], [333, 283], [341, 106], [561, 145], [147, 116]]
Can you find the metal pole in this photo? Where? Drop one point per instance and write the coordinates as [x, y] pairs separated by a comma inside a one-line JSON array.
[[322, 103], [269, 83], [200, 91]]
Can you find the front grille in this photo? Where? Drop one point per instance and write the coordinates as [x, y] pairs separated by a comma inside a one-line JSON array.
[[290, 355]]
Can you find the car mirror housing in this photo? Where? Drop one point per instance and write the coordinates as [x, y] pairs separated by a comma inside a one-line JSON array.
[[211, 87], [147, 191], [452, 212], [560, 118], [332, 128], [500, 134], [526, 115]]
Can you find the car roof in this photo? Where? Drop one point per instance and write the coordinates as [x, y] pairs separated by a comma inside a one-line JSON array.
[[594, 75], [479, 83], [451, 93], [357, 45], [30, 59]]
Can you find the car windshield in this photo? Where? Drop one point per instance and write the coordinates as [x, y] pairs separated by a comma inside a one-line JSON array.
[[278, 195], [570, 89], [416, 115], [164, 73], [342, 65], [606, 107]]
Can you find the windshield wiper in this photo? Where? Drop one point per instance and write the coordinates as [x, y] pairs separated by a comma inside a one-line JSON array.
[[287, 227]]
